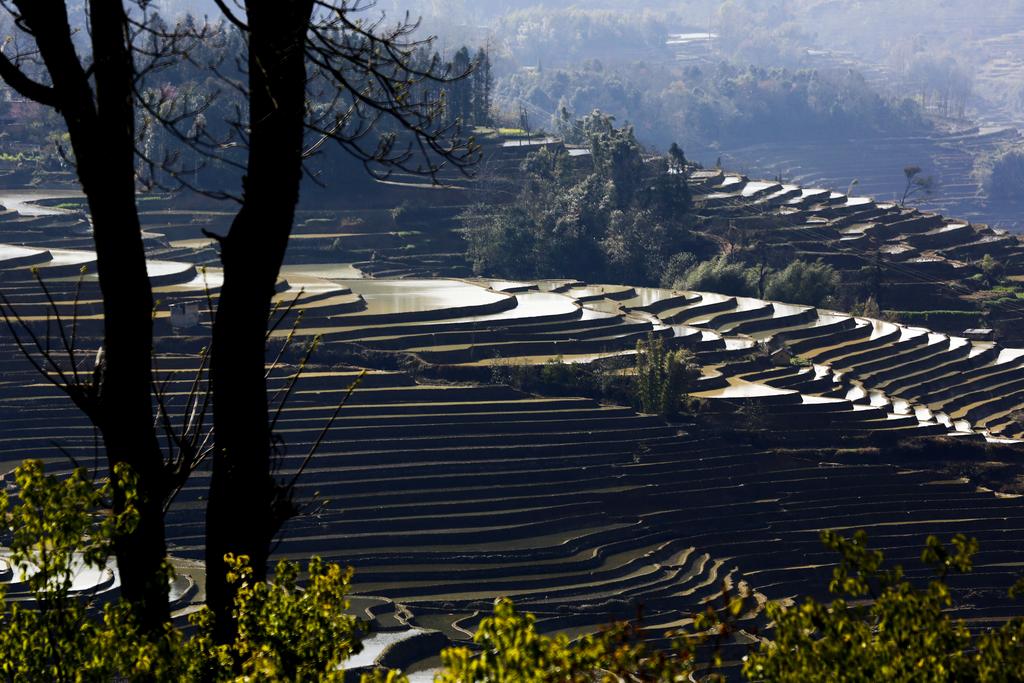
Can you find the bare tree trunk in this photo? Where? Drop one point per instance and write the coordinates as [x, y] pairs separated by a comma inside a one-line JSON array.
[[241, 516], [101, 125], [125, 415], [378, 69], [108, 177]]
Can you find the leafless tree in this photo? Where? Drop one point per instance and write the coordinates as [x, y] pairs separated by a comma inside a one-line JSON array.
[[95, 96], [367, 82], [311, 73]]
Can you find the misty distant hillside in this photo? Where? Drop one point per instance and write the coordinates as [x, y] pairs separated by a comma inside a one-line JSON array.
[[195, 7], [822, 92], [482, 11]]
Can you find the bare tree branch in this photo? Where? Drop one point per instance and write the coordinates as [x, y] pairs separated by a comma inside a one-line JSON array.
[[33, 90], [231, 16]]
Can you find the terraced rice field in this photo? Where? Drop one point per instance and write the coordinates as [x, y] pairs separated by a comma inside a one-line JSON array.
[[877, 166], [446, 494]]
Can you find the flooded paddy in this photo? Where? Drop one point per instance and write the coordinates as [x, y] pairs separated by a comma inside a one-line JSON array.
[[409, 296], [25, 201], [328, 271]]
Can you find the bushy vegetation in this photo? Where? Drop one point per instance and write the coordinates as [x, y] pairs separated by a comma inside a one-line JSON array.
[[657, 382], [57, 527], [557, 377], [1001, 175], [663, 376], [725, 105], [51, 533], [622, 219], [512, 650], [882, 627], [799, 282], [677, 268], [992, 271], [879, 627], [722, 276], [803, 283]]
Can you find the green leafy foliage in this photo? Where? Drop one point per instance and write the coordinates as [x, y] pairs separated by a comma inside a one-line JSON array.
[[1001, 175], [868, 308], [882, 628], [879, 627], [721, 275], [601, 379], [663, 376], [285, 633], [678, 266], [803, 283], [513, 650], [632, 246], [56, 527], [992, 271], [799, 282], [622, 220], [616, 155]]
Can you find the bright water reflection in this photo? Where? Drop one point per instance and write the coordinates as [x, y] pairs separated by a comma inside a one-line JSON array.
[[410, 296], [330, 271], [22, 201], [374, 646]]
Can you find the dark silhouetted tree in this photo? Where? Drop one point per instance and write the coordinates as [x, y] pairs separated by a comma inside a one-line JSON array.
[[483, 87], [917, 184], [95, 95], [676, 159], [370, 75], [461, 91]]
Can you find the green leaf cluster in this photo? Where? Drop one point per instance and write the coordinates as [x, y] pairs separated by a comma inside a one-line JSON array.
[[290, 634], [663, 376], [720, 275], [803, 282], [54, 530], [799, 282], [513, 650], [881, 627], [57, 527]]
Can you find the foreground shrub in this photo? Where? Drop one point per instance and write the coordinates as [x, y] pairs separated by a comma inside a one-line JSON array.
[[56, 527], [514, 651], [285, 633], [51, 537], [882, 628], [879, 628]]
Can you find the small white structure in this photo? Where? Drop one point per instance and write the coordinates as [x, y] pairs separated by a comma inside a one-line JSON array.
[[980, 334], [185, 315]]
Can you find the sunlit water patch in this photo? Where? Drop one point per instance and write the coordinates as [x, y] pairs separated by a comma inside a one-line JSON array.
[[413, 296], [24, 201]]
